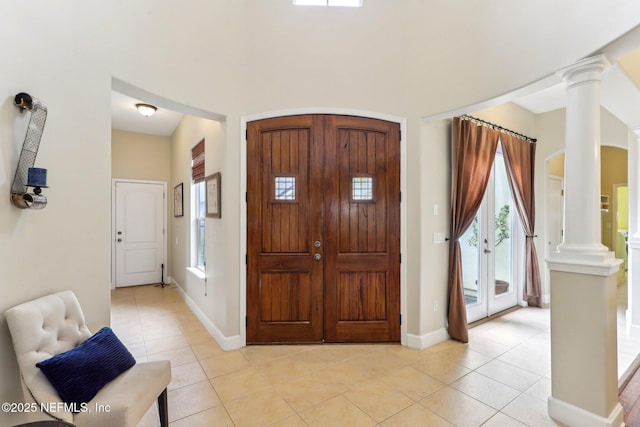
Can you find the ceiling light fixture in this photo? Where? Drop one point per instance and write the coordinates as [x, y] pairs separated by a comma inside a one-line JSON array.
[[146, 110]]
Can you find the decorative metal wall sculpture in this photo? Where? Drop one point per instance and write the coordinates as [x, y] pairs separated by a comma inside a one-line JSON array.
[[26, 174]]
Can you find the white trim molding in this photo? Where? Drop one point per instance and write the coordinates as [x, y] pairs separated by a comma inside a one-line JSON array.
[[420, 342], [225, 343], [575, 416]]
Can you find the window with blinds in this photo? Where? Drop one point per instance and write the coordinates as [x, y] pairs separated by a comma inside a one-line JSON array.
[[198, 202]]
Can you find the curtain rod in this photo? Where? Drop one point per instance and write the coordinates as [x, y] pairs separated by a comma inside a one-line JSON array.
[[498, 127]]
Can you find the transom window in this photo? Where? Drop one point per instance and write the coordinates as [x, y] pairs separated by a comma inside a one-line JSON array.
[[347, 3]]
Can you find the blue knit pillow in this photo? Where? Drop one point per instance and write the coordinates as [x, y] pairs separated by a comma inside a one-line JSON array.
[[80, 373]]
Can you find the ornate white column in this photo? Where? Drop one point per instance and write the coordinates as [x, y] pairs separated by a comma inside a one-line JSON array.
[[633, 243], [584, 367], [582, 218]]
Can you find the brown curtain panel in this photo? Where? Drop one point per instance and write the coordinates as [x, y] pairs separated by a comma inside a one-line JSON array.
[[473, 151], [519, 157]]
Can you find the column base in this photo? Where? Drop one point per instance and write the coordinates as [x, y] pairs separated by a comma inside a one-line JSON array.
[[583, 248], [574, 416], [584, 364]]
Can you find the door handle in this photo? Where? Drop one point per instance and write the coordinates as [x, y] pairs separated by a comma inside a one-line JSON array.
[[317, 257], [119, 239], [487, 251], [317, 243]]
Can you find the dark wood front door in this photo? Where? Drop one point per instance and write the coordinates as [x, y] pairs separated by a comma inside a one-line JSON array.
[[323, 210]]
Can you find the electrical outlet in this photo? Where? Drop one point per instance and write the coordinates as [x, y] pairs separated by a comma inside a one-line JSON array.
[[438, 238]]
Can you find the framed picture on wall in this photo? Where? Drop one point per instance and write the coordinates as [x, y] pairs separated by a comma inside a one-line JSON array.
[[214, 208], [178, 201]]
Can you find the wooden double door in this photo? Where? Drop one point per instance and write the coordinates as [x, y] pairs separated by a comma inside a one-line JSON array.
[[323, 209]]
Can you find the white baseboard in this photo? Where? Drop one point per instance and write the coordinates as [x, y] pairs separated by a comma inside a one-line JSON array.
[[633, 330], [575, 416], [420, 342], [226, 343]]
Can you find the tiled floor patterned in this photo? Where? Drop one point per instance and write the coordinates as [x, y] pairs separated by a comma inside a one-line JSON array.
[[501, 378]]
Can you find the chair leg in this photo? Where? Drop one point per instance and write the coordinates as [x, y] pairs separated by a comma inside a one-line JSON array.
[[163, 409]]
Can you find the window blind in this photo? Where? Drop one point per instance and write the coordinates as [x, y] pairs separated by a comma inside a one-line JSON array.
[[197, 162]]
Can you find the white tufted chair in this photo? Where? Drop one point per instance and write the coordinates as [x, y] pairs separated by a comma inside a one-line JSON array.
[[54, 324]]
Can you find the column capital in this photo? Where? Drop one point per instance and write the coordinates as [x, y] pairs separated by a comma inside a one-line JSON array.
[[584, 71]]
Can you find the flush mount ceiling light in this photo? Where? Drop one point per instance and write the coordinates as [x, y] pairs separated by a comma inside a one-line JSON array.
[[146, 110]]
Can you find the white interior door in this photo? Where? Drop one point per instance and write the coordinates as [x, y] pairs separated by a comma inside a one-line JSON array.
[[488, 250], [139, 232], [555, 207]]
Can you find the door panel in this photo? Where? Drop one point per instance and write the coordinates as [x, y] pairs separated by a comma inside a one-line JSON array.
[[488, 250], [139, 236], [284, 283], [286, 297], [362, 228], [323, 230], [354, 288]]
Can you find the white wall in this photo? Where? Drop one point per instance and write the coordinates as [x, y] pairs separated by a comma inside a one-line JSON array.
[[404, 58], [430, 298], [140, 156], [210, 298], [66, 245]]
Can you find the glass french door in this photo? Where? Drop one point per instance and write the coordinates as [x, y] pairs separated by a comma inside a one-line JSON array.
[[489, 250]]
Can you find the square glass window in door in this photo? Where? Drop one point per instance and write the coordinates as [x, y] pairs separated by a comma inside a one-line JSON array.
[[285, 188], [362, 188]]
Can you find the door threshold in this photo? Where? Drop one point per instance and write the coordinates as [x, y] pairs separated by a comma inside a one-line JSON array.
[[493, 316]]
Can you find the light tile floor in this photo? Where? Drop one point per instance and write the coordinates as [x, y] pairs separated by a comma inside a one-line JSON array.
[[501, 378]]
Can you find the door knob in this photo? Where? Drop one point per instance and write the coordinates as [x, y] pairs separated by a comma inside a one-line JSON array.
[[317, 257], [487, 251], [119, 239], [317, 243]]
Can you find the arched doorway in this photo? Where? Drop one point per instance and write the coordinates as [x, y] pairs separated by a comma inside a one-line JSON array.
[[614, 207], [323, 229]]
